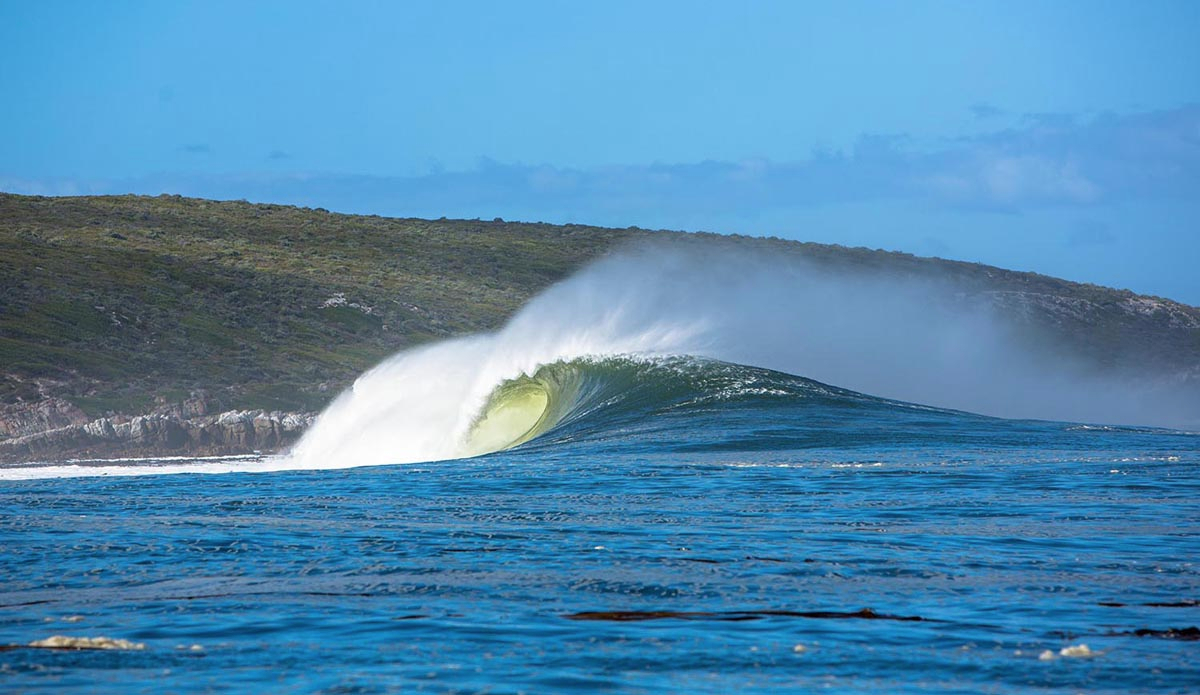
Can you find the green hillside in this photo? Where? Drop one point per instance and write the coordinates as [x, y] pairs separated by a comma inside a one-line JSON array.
[[112, 302]]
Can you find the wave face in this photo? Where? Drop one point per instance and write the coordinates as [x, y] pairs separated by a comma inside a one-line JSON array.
[[628, 401], [583, 398]]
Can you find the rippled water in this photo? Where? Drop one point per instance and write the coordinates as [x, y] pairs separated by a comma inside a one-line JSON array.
[[719, 546]]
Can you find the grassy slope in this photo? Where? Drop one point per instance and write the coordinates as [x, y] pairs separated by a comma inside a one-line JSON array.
[[113, 301], [118, 302]]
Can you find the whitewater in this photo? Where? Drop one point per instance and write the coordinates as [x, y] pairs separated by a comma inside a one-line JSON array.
[[679, 470]]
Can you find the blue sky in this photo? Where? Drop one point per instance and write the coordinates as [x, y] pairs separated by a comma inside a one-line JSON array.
[[1059, 137]]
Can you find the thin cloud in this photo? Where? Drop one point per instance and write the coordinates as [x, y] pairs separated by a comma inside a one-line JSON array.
[[1048, 161], [1003, 179]]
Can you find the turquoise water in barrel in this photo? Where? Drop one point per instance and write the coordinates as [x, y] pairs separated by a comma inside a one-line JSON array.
[[657, 526]]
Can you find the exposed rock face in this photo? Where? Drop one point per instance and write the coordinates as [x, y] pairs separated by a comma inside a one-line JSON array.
[[52, 413], [166, 433], [1153, 311]]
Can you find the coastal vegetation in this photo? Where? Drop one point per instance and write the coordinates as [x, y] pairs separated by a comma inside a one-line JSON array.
[[116, 303]]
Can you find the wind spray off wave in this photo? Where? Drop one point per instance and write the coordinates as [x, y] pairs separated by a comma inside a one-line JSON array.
[[894, 337]]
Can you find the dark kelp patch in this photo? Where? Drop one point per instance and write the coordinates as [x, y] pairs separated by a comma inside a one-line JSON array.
[[634, 616], [1187, 603], [1186, 634]]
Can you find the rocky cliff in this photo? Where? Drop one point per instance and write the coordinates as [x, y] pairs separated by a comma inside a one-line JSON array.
[[159, 434]]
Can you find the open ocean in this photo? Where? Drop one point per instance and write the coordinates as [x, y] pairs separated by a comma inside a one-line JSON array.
[[668, 525]]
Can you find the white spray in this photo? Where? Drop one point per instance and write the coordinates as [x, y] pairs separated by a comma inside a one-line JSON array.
[[420, 404]]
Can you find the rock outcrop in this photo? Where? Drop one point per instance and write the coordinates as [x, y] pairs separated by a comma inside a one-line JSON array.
[[169, 432], [20, 419]]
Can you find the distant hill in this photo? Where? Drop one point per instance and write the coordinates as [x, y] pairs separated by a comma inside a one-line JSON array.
[[123, 305]]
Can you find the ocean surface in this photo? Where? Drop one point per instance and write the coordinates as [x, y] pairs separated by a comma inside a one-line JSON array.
[[641, 525]]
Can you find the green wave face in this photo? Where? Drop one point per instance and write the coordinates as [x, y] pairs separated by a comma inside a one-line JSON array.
[[512, 416], [600, 392], [523, 408]]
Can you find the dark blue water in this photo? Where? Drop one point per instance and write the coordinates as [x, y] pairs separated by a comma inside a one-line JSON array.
[[769, 541]]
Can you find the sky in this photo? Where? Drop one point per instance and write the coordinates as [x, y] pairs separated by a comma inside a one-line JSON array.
[[1057, 137]]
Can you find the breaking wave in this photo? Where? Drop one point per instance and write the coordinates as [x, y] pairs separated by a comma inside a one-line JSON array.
[[612, 331], [561, 401], [664, 331]]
